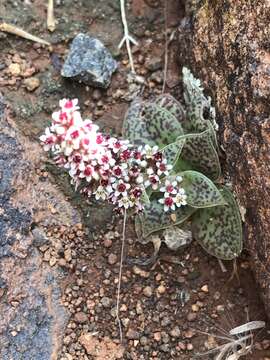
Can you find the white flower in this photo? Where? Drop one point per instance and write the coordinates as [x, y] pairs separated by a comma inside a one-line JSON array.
[[139, 179], [149, 151], [48, 140], [125, 202], [120, 188], [149, 171], [180, 198], [69, 105], [142, 163], [153, 181], [90, 126], [169, 188], [168, 203], [179, 178], [100, 193], [163, 168]]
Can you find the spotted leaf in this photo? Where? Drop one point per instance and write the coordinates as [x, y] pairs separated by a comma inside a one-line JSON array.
[[201, 192], [174, 107], [199, 154], [134, 127], [148, 123], [154, 218], [219, 229], [172, 151], [199, 108]]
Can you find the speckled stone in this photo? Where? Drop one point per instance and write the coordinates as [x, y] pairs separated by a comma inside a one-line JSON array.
[[89, 62]]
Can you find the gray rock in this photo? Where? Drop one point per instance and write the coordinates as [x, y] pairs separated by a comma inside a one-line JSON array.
[[106, 302], [32, 323], [132, 334], [89, 62], [39, 237]]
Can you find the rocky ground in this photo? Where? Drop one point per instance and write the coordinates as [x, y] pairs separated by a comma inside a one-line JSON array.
[[60, 254]]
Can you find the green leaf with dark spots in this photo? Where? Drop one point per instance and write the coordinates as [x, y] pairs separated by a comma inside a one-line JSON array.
[[162, 126], [134, 127], [173, 106], [172, 151], [148, 123], [201, 192], [219, 229], [199, 108], [199, 154], [154, 218]]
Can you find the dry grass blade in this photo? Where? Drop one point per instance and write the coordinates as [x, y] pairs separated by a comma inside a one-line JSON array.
[[50, 16], [224, 350], [11, 29], [238, 341], [252, 325]]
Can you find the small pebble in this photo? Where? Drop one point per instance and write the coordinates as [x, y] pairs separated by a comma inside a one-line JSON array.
[[112, 259], [205, 289], [175, 332], [157, 336], [31, 83], [106, 302], [191, 316], [81, 317], [147, 291], [161, 289], [14, 69], [132, 334]]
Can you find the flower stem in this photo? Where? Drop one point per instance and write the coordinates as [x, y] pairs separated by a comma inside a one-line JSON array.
[[120, 277]]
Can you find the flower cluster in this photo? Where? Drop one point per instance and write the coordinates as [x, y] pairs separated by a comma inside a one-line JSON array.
[[174, 195], [104, 166]]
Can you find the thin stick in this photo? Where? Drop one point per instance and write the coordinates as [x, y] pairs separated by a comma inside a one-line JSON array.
[[120, 277], [166, 47], [222, 266], [127, 38], [50, 16], [24, 34]]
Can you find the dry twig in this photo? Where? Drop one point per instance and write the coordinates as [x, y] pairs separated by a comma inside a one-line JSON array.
[[127, 38], [11, 29], [166, 46], [50, 16]]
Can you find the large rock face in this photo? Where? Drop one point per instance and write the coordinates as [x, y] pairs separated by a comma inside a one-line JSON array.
[[32, 316], [226, 45]]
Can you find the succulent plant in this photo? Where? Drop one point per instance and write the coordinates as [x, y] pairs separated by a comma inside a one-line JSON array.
[[187, 138]]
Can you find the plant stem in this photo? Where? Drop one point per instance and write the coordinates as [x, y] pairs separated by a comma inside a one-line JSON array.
[[120, 276]]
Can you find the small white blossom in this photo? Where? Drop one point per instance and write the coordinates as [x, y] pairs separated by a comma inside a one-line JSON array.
[[170, 188], [100, 193], [180, 198], [125, 202], [168, 203], [149, 151]]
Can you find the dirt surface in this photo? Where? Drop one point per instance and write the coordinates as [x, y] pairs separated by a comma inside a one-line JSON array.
[[164, 309]]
